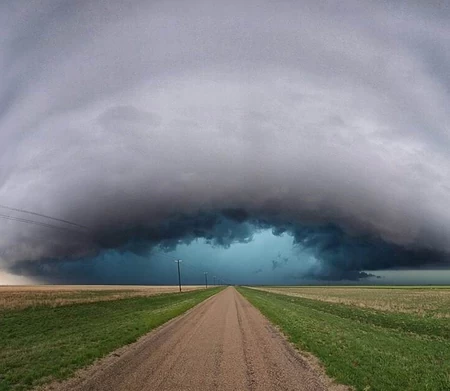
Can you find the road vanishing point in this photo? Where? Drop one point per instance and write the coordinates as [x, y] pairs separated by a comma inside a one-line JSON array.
[[223, 343]]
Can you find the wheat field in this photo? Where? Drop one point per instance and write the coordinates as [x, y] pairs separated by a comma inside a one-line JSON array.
[[421, 301], [18, 297]]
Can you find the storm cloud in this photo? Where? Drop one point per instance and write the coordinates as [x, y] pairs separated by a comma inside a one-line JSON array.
[[153, 124]]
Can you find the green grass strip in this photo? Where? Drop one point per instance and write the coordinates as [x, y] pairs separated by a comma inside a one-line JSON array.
[[424, 325], [41, 344], [369, 350]]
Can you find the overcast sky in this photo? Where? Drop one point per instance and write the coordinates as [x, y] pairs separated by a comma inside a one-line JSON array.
[[204, 126]]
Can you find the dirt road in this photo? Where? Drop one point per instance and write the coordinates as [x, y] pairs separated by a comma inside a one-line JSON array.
[[222, 344]]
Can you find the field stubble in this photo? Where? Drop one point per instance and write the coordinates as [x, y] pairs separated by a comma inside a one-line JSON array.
[[20, 297], [421, 301]]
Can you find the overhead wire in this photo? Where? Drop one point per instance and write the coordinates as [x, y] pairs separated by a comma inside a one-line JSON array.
[[43, 215], [188, 264], [39, 223]]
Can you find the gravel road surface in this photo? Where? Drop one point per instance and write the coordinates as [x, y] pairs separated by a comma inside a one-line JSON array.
[[222, 344]]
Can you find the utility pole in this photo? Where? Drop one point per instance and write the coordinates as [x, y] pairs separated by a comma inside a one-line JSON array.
[[214, 280], [206, 279], [179, 274]]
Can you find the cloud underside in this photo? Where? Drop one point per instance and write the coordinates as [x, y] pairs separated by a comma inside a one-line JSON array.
[[338, 255], [157, 123]]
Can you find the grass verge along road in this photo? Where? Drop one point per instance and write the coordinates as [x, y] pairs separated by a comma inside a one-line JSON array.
[[43, 343], [368, 349]]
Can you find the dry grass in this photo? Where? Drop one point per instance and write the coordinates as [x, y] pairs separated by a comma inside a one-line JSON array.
[[18, 297], [421, 301]]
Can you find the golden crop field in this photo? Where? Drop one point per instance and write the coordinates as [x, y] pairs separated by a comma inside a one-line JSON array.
[[421, 301], [12, 297]]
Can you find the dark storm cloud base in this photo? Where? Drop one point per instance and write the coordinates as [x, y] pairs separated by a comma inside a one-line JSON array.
[[341, 255]]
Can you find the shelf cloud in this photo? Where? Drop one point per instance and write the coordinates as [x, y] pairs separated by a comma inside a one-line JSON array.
[[150, 124]]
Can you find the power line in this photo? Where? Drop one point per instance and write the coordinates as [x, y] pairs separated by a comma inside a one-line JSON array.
[[188, 264], [39, 223], [45, 216]]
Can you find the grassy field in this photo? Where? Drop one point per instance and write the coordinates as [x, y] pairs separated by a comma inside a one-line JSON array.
[[13, 297], [44, 342], [422, 301], [372, 339]]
